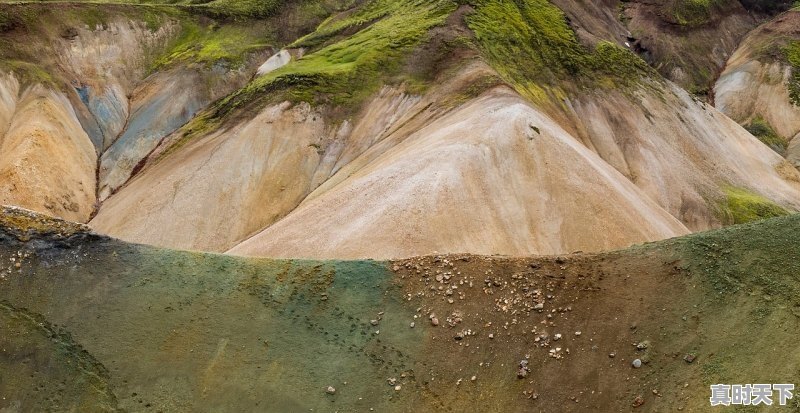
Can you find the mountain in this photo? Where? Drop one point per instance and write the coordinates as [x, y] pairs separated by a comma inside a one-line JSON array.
[[419, 205], [390, 129]]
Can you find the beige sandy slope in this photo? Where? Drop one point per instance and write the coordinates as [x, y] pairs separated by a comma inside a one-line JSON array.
[[755, 86], [47, 162], [410, 175], [480, 179], [681, 152], [222, 188]]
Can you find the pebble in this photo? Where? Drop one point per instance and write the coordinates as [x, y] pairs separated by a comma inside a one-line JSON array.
[[637, 363], [577, 333], [412, 324], [473, 378], [434, 321], [330, 390], [373, 322], [398, 387], [491, 335], [638, 401], [689, 358], [523, 369]]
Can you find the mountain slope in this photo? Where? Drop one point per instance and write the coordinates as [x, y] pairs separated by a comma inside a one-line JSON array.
[[759, 85], [354, 168], [530, 124]]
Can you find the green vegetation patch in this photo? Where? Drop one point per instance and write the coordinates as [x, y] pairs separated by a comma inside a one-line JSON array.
[[762, 130], [692, 12], [211, 44], [532, 46], [759, 257], [792, 52], [348, 71], [742, 206], [345, 72], [28, 73]]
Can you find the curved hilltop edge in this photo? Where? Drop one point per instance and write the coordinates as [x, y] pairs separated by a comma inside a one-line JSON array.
[[155, 329], [760, 87]]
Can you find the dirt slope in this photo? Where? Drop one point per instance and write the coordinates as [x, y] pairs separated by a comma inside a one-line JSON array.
[[152, 329]]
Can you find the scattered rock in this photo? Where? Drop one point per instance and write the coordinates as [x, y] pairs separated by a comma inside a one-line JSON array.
[[330, 390], [637, 363], [523, 369], [689, 358], [434, 321], [638, 401]]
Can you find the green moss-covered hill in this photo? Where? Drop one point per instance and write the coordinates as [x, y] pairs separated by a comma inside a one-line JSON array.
[[94, 324]]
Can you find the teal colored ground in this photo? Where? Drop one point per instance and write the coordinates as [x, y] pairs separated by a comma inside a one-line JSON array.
[[96, 324]]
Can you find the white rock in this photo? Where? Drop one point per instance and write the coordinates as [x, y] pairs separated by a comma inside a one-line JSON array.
[[277, 61]]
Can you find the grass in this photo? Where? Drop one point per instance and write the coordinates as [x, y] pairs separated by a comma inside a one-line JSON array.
[[533, 48], [28, 73], [792, 51], [692, 12], [734, 258], [210, 44], [762, 130], [742, 206], [343, 71]]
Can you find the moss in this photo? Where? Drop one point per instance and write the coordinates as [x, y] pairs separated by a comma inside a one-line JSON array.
[[533, 48], [346, 72], [792, 51], [24, 224], [742, 206], [28, 73], [692, 12], [473, 90], [762, 130], [6, 21], [210, 44]]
